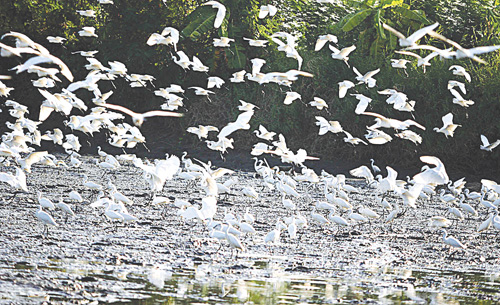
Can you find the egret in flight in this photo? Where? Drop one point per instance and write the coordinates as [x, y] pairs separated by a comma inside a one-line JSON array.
[[138, 118]]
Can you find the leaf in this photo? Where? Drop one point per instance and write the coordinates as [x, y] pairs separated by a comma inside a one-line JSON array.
[[416, 15], [236, 59], [201, 21], [377, 47], [356, 19], [391, 3], [378, 24]]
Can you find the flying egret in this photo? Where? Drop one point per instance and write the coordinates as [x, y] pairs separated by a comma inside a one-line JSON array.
[[344, 86], [138, 118], [221, 12], [87, 31], [413, 38], [367, 78], [486, 145], [458, 99], [449, 127], [362, 104], [267, 10], [56, 39], [454, 83], [342, 54], [421, 61], [323, 39], [326, 126], [319, 103], [256, 42], [223, 42], [459, 70], [264, 134], [353, 140], [290, 97], [436, 175]]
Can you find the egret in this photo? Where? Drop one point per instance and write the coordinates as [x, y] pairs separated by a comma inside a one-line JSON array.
[[449, 127], [413, 38], [267, 10], [46, 218], [452, 241], [323, 39], [138, 118], [221, 12], [486, 145]]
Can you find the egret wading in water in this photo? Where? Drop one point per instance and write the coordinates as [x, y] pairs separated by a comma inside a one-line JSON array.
[[46, 219]]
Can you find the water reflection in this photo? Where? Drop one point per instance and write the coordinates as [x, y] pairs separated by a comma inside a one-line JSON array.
[[239, 282]]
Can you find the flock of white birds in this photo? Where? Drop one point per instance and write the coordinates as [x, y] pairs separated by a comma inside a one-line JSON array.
[[18, 151]]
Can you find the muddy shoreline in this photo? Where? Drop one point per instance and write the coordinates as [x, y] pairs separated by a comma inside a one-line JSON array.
[[63, 266]]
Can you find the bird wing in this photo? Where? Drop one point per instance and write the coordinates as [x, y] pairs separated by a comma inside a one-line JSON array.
[[412, 122], [182, 56], [362, 105], [346, 51], [391, 173], [456, 94], [334, 49], [485, 141], [484, 49], [264, 10], [448, 119], [244, 117], [431, 160], [227, 130], [120, 108], [357, 72], [409, 54], [221, 12], [375, 115], [371, 73], [161, 113], [263, 129], [420, 33], [320, 43], [362, 172], [197, 61], [394, 31], [323, 124], [456, 45], [430, 56]]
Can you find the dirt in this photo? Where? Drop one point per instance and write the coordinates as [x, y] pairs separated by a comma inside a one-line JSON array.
[[89, 258]]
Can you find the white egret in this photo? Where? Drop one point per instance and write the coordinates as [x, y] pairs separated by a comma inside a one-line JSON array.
[[458, 99], [46, 218], [326, 126], [452, 241], [221, 12], [344, 86], [413, 38], [459, 70], [323, 39], [267, 10], [486, 145], [342, 54], [138, 118], [319, 103], [367, 78], [449, 127]]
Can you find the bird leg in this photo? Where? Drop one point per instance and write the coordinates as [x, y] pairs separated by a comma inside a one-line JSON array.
[[13, 196], [144, 144]]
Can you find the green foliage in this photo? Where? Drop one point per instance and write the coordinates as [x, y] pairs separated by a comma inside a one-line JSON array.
[[124, 27], [368, 20]]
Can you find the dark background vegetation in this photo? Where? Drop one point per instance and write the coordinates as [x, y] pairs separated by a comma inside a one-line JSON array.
[[124, 27]]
